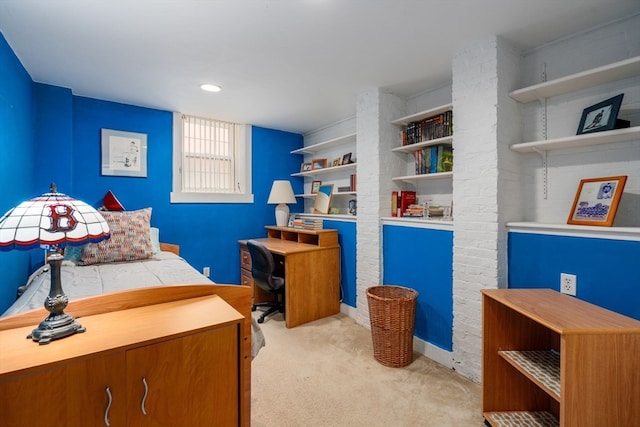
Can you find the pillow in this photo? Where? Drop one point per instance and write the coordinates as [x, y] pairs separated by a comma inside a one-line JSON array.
[[155, 240], [130, 238], [73, 253], [111, 202]]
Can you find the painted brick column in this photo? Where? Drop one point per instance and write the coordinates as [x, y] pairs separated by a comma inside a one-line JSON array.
[[376, 165], [485, 124]]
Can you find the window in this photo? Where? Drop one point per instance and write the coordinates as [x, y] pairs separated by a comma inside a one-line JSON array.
[[211, 161]]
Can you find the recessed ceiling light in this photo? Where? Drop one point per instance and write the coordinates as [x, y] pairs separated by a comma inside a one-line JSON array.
[[210, 88]]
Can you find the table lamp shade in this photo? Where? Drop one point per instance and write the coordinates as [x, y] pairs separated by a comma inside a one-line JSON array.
[[281, 194], [52, 219]]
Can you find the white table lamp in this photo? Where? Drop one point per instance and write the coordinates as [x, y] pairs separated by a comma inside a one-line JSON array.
[[281, 194]]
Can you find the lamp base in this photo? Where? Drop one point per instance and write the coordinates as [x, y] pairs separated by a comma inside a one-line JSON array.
[[56, 326], [282, 215]]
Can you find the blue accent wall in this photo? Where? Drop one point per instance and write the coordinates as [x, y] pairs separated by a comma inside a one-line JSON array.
[[422, 259], [17, 159], [50, 135], [608, 271], [347, 240]]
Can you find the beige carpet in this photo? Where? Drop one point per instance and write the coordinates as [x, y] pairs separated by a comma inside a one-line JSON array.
[[324, 374]]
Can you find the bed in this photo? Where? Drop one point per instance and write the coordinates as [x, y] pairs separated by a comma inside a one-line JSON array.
[[134, 269]]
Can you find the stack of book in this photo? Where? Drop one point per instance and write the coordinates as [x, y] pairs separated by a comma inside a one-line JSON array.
[[308, 223], [414, 211], [434, 159], [430, 128]]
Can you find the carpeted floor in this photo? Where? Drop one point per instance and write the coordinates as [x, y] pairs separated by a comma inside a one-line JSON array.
[[323, 374]]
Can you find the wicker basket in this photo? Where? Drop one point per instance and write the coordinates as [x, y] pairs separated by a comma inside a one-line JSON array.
[[392, 311]]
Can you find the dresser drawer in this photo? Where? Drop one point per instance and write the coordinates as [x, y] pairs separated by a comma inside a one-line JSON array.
[[245, 258]]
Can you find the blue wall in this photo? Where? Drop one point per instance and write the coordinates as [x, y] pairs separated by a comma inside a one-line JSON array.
[[50, 135], [17, 159], [347, 240], [608, 272], [422, 259]]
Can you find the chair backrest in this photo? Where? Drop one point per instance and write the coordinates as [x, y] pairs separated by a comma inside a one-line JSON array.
[[262, 266]]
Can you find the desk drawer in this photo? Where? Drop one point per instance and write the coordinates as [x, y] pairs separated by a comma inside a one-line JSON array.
[[245, 258], [245, 278]]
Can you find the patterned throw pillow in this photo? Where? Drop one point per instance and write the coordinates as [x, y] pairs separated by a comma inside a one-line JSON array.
[[130, 238]]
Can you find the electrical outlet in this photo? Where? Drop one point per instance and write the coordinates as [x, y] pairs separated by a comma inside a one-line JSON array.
[[206, 271], [568, 283]]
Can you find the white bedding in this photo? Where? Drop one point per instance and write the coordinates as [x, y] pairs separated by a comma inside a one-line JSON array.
[[164, 268]]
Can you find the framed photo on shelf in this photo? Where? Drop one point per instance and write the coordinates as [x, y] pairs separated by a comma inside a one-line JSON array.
[[323, 199], [124, 153], [315, 186], [601, 116], [336, 162], [597, 201], [305, 167], [318, 164], [346, 159]]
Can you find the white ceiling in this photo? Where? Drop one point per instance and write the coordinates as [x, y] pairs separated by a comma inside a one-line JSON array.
[[294, 65]]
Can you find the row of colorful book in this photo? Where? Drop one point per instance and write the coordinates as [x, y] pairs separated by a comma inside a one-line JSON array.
[[430, 128], [308, 223], [434, 159]]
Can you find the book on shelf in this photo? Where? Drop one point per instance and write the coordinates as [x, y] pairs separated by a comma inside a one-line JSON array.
[[438, 126], [352, 181], [414, 210], [403, 199], [445, 158], [394, 203]]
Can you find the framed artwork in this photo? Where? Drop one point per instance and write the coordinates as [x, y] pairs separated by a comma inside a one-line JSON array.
[[323, 199], [124, 153], [336, 162], [315, 186], [601, 116], [305, 167], [318, 164], [346, 159], [597, 200]]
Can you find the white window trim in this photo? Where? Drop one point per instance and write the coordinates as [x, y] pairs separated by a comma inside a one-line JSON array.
[[243, 169]]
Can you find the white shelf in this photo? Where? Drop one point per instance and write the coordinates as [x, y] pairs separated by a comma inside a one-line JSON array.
[[312, 149], [419, 145], [337, 193], [575, 141], [613, 233], [424, 177], [332, 217], [324, 171], [403, 121], [594, 77], [416, 222]]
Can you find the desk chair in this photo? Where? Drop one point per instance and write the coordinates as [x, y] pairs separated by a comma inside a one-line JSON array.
[[262, 269]]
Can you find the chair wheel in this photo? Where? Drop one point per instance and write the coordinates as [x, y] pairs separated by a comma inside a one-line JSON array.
[[261, 320], [254, 308]]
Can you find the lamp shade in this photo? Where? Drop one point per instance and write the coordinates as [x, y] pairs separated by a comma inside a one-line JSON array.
[[281, 192], [52, 219]]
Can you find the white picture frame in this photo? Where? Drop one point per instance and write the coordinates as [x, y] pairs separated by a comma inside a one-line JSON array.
[[123, 153]]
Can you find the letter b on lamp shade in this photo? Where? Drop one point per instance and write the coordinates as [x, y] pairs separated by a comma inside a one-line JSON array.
[[281, 194]]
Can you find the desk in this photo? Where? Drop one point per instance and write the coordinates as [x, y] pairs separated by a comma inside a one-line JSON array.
[[311, 269]]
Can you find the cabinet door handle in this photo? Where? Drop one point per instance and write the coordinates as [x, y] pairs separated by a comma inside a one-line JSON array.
[[106, 411], [144, 398]]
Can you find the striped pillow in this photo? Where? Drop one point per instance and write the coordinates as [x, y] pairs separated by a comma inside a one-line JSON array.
[[130, 238]]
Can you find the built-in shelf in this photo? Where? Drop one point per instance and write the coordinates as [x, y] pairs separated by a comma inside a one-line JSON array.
[[337, 193], [312, 149], [337, 217], [615, 233], [594, 77], [575, 141], [424, 177], [403, 121], [324, 171], [416, 222], [419, 145]]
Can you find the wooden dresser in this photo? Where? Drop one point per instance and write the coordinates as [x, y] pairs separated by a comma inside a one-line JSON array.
[[176, 363], [557, 360]]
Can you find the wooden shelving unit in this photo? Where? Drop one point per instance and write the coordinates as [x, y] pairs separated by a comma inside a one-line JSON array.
[[553, 360]]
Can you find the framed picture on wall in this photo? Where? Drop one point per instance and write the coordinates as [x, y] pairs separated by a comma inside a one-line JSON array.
[[597, 201], [124, 153]]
